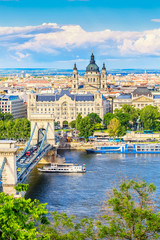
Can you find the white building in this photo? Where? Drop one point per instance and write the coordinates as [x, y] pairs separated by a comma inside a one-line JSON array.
[[14, 105]]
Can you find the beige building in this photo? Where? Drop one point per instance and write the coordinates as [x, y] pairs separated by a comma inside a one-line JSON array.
[[66, 106], [93, 79], [139, 98]]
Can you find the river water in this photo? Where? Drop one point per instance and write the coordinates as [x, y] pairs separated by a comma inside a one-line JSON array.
[[83, 194]]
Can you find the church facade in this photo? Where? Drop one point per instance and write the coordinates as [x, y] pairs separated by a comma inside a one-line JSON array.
[[93, 79]]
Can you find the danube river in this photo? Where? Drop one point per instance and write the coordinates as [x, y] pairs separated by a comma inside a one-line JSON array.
[[83, 194]]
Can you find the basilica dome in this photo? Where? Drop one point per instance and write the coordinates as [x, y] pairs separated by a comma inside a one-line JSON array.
[[92, 67]]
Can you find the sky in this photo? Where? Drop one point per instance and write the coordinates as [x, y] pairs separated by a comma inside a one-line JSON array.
[[57, 33]]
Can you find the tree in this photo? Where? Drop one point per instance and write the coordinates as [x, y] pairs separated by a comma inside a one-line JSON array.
[[20, 218], [78, 120], [94, 117], [121, 131], [132, 111], [107, 118], [113, 127], [68, 228], [149, 116], [2, 129], [98, 126], [7, 116], [123, 117], [130, 213], [85, 128], [72, 124]]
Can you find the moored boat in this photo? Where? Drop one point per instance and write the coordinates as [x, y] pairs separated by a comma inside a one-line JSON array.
[[127, 148], [63, 168]]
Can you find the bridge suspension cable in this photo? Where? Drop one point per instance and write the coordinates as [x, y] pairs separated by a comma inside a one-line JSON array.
[[25, 150], [44, 138]]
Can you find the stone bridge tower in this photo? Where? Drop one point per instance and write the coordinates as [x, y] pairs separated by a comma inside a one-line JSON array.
[[42, 122]]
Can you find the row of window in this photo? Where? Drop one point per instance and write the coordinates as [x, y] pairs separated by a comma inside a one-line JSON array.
[[45, 109], [55, 105]]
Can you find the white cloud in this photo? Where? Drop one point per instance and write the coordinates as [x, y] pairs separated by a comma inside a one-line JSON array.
[[19, 56], [155, 20], [54, 39]]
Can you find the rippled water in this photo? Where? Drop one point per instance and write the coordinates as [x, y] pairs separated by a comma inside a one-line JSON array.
[[82, 194]]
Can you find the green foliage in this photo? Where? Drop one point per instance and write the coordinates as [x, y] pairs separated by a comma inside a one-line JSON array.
[[87, 124], [130, 213], [149, 116], [67, 228], [72, 124], [127, 115], [15, 129], [123, 117], [94, 117], [21, 187], [107, 118], [85, 128], [113, 127], [121, 131], [56, 124], [78, 120], [6, 116], [65, 122], [98, 126], [19, 217]]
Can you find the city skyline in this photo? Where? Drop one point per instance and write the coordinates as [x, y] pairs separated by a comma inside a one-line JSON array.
[[56, 34]]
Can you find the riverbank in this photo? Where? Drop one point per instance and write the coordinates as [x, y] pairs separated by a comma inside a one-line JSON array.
[[89, 145]]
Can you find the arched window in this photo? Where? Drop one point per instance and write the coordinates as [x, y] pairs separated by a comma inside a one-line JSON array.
[[64, 108]]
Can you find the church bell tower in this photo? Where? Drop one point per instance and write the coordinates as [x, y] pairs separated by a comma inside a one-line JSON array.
[[75, 82], [104, 77]]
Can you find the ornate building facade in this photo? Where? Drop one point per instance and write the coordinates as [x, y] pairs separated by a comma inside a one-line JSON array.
[[93, 78], [139, 98], [66, 106]]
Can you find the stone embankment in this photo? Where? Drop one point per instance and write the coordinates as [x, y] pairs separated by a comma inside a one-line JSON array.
[[83, 145]]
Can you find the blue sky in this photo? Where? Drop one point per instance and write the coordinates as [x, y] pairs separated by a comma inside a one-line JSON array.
[[124, 34]]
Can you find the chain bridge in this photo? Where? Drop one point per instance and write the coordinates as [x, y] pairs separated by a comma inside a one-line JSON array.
[[15, 168]]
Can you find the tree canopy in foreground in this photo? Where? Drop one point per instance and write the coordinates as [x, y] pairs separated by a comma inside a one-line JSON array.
[[129, 213]]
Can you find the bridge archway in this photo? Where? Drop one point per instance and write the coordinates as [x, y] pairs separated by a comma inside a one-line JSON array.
[[42, 122]]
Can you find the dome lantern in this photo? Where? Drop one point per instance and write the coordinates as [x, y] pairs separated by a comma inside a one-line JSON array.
[[92, 67]]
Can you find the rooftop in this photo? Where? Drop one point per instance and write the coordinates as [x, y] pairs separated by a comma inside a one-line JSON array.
[[124, 96], [142, 91], [57, 96]]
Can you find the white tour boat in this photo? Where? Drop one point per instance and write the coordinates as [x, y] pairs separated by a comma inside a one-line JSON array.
[[63, 168]]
